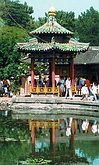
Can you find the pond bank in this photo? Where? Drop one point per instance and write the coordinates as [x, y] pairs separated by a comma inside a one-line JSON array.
[[5, 102], [52, 106]]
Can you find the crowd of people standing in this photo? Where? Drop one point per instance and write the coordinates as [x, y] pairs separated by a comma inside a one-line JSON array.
[[83, 87], [87, 89]]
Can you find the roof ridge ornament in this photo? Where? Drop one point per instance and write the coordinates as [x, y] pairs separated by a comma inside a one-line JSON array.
[[52, 11], [53, 40]]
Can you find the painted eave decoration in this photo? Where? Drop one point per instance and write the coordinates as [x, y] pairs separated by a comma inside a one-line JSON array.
[[35, 46]]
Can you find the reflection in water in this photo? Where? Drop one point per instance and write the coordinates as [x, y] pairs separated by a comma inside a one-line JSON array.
[[63, 141]]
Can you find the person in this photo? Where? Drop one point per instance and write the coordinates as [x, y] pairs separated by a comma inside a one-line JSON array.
[[44, 81], [87, 82], [85, 92], [62, 127], [1, 88], [48, 82], [81, 82], [85, 125], [94, 91], [79, 124], [39, 82], [68, 88], [62, 85], [77, 80], [68, 131], [97, 127], [6, 86], [94, 128]]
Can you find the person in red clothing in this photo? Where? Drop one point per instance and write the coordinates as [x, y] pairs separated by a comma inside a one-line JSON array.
[[5, 83], [6, 87], [87, 82]]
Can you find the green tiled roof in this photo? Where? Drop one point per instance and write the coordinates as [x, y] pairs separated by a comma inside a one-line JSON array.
[[51, 27], [33, 45]]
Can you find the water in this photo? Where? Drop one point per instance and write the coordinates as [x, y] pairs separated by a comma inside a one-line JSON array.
[[64, 148]]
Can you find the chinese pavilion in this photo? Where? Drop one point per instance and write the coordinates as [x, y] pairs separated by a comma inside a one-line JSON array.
[[52, 43]]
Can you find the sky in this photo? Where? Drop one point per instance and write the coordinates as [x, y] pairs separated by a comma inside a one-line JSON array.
[[76, 6]]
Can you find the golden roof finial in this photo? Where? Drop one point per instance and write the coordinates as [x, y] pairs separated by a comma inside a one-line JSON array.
[[52, 11]]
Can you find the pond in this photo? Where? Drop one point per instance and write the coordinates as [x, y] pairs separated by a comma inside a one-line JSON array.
[[66, 141]]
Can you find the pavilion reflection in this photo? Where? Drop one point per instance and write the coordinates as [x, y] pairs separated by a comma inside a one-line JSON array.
[[63, 150], [52, 127], [49, 138]]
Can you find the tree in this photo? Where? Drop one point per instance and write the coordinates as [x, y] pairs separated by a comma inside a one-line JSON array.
[[16, 14], [15, 21], [87, 26], [66, 19], [9, 57], [41, 21]]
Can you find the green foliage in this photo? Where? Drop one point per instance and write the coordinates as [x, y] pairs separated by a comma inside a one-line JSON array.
[[9, 57], [66, 19], [41, 67], [35, 161], [41, 21], [14, 19], [11, 151], [1, 23], [13, 129], [87, 26], [16, 14]]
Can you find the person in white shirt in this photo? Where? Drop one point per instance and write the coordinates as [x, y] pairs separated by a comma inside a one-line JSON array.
[[94, 91], [85, 125], [85, 92], [68, 88], [95, 128]]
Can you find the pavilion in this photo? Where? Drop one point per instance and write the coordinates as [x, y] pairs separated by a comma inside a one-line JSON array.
[[54, 44]]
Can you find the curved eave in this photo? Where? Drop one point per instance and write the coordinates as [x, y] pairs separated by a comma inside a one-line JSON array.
[[81, 47], [44, 47], [36, 47], [51, 28]]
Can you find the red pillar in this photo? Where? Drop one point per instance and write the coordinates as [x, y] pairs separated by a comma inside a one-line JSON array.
[[53, 72], [50, 70], [73, 127], [26, 86], [33, 137], [72, 137], [53, 134], [72, 72], [72, 144], [32, 72]]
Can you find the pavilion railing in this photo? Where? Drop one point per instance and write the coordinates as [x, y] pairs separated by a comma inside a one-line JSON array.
[[54, 90], [44, 90]]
